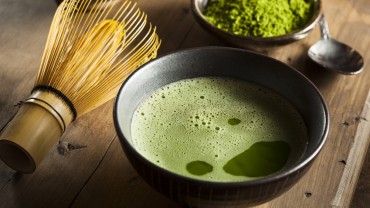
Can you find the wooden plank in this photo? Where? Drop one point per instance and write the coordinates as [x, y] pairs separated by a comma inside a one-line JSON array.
[[116, 184], [173, 20], [355, 159]]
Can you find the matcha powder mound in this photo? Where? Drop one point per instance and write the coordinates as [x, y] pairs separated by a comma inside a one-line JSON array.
[[265, 18]]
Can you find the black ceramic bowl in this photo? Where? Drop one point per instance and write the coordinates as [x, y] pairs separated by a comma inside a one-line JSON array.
[[235, 63], [253, 42]]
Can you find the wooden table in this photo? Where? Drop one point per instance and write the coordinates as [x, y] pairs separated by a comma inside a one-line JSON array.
[[87, 167]]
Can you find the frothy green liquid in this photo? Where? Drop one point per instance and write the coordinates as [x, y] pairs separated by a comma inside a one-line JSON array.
[[218, 129]]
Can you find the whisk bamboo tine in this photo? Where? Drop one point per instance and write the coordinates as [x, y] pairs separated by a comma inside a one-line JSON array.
[[94, 17], [123, 10], [61, 32], [86, 58], [129, 65], [97, 49]]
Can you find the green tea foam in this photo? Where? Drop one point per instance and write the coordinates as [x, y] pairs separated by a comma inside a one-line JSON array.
[[205, 127]]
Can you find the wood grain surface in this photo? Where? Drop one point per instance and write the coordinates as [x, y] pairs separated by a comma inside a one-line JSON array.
[[87, 167]]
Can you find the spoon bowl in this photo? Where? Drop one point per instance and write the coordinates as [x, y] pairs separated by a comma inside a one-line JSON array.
[[334, 55]]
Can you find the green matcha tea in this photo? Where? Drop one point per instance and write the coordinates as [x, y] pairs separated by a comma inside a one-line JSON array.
[[261, 18], [218, 129]]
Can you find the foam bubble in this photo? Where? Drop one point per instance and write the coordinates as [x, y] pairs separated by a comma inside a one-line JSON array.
[[189, 120]]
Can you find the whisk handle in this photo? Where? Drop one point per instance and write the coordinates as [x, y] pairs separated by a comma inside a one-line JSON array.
[[36, 127]]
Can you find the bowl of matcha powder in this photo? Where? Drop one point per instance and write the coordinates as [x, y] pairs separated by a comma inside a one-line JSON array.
[[257, 23]]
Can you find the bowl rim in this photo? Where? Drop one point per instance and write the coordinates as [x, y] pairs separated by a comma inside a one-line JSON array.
[[307, 27], [223, 184]]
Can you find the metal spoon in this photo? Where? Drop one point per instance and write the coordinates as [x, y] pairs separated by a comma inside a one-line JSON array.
[[334, 55]]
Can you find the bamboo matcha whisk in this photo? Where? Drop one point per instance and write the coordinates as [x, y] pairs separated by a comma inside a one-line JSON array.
[[90, 50]]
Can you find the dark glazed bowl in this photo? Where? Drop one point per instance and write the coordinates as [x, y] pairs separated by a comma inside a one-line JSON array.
[[235, 63], [253, 42]]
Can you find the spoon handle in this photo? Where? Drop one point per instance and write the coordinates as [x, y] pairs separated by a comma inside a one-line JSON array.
[[324, 28]]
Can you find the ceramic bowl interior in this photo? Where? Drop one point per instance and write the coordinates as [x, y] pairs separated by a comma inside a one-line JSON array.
[[226, 62], [253, 42]]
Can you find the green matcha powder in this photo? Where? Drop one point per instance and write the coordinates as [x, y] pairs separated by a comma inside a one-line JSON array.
[[264, 18]]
